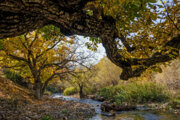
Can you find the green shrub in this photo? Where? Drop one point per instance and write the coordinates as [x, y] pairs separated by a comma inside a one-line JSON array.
[[47, 93], [52, 89], [64, 111], [15, 77], [106, 92], [70, 91], [175, 103], [135, 93], [48, 117], [88, 90]]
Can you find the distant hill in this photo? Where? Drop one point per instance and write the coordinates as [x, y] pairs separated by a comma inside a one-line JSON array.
[[170, 75]]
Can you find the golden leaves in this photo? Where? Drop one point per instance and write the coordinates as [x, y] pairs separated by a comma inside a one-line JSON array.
[[38, 49]]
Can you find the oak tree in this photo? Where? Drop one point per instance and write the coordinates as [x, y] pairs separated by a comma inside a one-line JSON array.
[[82, 78], [39, 57]]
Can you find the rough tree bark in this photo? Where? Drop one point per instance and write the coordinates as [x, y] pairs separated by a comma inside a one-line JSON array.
[[21, 16], [38, 90]]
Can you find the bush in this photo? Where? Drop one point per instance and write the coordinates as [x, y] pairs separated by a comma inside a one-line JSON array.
[[15, 77], [70, 91], [106, 92], [175, 103], [46, 118], [88, 90], [47, 93], [135, 93], [64, 111], [53, 89]]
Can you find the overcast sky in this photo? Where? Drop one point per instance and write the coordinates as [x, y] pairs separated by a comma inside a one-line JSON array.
[[100, 53]]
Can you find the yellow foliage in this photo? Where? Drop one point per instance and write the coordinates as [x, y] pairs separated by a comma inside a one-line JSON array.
[[30, 52]]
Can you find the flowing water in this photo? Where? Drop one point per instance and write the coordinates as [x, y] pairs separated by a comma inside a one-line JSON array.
[[139, 114]]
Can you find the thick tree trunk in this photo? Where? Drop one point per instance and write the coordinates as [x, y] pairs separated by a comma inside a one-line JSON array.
[[38, 91]]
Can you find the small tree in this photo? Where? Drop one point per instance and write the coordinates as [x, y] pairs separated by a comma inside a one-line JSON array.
[[82, 78], [40, 56]]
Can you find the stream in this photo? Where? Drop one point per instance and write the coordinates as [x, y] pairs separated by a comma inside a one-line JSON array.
[[139, 114]]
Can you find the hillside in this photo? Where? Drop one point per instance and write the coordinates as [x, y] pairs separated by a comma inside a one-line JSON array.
[[10, 90], [170, 75], [18, 103]]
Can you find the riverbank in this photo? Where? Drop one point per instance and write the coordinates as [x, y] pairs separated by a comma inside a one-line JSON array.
[[142, 112], [111, 106], [131, 95], [56, 108], [171, 106], [18, 103]]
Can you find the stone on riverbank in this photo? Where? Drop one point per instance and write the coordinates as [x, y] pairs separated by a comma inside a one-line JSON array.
[[108, 106], [96, 97]]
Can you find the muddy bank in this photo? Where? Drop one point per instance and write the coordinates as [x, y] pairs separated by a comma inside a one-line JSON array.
[[108, 106]]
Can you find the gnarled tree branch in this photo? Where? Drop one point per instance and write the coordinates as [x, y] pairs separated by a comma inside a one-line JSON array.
[[21, 16]]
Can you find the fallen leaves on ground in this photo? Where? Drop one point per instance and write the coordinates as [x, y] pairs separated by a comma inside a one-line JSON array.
[[17, 103]]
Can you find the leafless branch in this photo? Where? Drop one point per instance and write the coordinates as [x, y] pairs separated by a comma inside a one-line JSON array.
[[169, 15]]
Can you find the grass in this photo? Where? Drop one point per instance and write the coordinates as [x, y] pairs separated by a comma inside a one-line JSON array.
[[53, 89], [135, 92], [175, 101], [70, 91], [15, 77], [48, 117], [64, 111]]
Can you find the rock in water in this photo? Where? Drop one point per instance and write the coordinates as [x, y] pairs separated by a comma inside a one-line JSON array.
[[107, 106]]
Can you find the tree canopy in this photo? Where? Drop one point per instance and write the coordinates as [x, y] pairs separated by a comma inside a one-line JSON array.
[[137, 34], [39, 58]]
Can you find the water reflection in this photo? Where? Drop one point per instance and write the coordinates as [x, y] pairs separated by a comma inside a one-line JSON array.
[[138, 115], [141, 114]]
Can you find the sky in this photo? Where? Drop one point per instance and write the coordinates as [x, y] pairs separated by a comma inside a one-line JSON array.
[[99, 54]]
